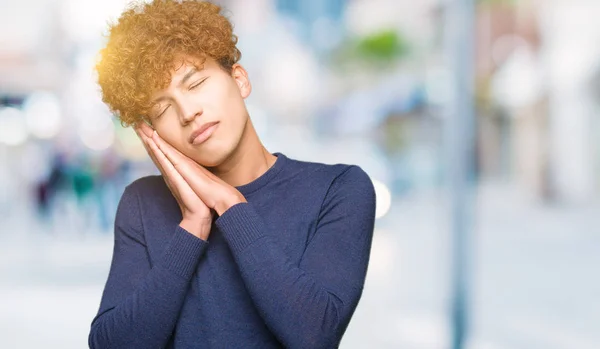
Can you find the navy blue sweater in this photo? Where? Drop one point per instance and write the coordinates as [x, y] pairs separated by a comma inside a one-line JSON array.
[[285, 269]]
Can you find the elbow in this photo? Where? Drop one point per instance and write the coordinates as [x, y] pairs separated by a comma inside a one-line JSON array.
[[323, 338], [97, 338], [92, 343], [328, 332], [94, 338], [334, 322]]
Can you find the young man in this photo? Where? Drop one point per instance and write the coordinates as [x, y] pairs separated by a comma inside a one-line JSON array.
[[232, 247]]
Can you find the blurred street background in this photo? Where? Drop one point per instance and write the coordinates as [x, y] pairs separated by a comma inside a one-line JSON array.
[[366, 82]]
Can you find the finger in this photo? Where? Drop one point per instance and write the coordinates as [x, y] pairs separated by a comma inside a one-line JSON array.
[[169, 170], [145, 129], [174, 155], [194, 174], [157, 155], [159, 166], [180, 161], [144, 140], [176, 183]]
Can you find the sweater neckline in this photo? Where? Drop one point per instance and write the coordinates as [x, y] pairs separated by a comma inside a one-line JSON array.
[[266, 177]]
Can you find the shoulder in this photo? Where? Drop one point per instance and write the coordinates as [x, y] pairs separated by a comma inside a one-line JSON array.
[[352, 184], [139, 191], [147, 183], [333, 175], [148, 186], [129, 216], [151, 194], [330, 185], [147, 207]]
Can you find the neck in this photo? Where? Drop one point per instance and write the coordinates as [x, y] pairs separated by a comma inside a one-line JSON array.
[[248, 161]]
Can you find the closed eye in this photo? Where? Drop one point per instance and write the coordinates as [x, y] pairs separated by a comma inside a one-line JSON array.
[[198, 84], [164, 110]]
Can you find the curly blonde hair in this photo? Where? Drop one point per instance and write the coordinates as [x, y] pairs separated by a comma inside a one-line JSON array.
[[144, 44]]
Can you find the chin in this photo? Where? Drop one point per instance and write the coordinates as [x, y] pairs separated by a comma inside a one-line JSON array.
[[214, 159], [216, 151]]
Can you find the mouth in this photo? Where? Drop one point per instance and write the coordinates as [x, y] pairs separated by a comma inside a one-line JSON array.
[[203, 133]]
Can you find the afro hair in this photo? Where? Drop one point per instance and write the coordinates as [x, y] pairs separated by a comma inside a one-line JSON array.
[[144, 45]]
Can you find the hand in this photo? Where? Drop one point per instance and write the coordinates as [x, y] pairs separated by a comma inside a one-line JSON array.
[[197, 216], [213, 191]]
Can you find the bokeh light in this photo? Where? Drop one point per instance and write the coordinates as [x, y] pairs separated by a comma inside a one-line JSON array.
[[43, 115], [13, 130], [384, 198]]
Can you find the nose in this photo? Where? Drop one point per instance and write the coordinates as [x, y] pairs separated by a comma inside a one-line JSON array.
[[189, 112]]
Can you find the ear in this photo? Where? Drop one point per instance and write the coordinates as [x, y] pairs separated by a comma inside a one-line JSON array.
[[240, 75]]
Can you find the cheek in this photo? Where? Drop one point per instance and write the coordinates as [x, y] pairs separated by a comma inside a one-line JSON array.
[[227, 105], [235, 104], [172, 135]]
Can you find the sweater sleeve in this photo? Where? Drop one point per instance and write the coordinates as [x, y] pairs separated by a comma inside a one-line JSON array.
[[141, 302], [308, 305]]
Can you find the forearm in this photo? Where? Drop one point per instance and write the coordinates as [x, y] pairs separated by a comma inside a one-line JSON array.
[[146, 317], [302, 310], [299, 309]]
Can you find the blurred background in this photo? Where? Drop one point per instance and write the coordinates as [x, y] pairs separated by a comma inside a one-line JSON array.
[[368, 82]]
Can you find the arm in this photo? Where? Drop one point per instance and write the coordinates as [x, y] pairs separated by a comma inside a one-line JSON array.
[[308, 305], [141, 303]]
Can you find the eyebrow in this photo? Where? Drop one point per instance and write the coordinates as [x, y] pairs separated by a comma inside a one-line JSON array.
[[185, 78]]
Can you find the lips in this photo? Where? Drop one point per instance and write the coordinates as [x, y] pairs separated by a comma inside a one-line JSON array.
[[201, 130]]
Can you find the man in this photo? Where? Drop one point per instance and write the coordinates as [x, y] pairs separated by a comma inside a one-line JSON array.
[[232, 247]]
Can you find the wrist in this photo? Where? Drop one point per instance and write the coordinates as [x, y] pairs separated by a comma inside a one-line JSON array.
[[228, 202], [199, 227]]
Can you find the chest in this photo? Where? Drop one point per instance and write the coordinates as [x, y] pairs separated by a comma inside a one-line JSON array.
[[291, 226]]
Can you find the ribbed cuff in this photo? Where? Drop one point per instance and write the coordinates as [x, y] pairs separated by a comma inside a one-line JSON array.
[[241, 226], [182, 254]]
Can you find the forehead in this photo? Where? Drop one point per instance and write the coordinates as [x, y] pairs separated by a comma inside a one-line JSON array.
[[184, 64], [183, 68]]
